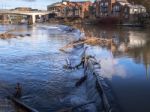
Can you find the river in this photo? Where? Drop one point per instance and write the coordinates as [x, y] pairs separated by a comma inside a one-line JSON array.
[[125, 64], [36, 62]]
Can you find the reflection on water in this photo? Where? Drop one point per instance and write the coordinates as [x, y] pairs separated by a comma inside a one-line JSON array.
[[126, 42], [37, 63], [125, 62]]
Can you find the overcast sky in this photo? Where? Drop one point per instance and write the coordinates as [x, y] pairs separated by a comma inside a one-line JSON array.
[[40, 4]]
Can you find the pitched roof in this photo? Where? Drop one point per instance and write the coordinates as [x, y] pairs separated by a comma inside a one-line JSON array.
[[135, 6], [55, 4], [73, 3], [123, 3]]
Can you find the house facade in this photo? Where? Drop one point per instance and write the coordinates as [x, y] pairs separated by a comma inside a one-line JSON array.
[[120, 10], [104, 7], [110, 10], [84, 5], [67, 9], [118, 7], [57, 8], [132, 12]]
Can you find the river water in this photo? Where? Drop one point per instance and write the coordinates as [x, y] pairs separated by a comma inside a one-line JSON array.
[[36, 62], [125, 64]]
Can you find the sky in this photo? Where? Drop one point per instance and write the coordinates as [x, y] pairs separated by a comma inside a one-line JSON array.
[[40, 4]]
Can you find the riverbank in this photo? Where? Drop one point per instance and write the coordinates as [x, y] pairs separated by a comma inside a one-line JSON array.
[[96, 21]]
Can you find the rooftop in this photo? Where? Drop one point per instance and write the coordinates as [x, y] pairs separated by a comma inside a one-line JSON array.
[[135, 6], [57, 4]]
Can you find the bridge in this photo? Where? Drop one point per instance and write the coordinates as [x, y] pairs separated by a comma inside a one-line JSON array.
[[33, 14]]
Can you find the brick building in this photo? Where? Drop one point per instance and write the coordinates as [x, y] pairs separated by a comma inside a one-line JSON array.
[[57, 8], [132, 12], [104, 7], [118, 10], [67, 9]]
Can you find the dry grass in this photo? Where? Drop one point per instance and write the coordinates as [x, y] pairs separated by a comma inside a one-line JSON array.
[[7, 35], [90, 41]]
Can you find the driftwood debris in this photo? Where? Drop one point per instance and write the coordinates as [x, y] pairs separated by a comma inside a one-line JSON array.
[[72, 44], [83, 79], [91, 41], [22, 106], [7, 35]]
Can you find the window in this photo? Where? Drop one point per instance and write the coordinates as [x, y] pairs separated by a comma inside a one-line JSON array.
[[106, 3], [126, 16], [135, 10], [102, 4], [143, 10], [117, 8], [125, 10]]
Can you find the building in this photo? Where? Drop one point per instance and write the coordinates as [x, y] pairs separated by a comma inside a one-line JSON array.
[[132, 12], [104, 7], [67, 9], [57, 8], [73, 10], [107, 11], [84, 8], [119, 11], [118, 7]]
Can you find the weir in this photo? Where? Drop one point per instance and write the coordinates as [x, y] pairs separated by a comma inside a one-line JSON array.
[[97, 91], [97, 88]]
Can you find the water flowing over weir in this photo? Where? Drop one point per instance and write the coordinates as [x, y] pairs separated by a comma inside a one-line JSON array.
[[96, 95]]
